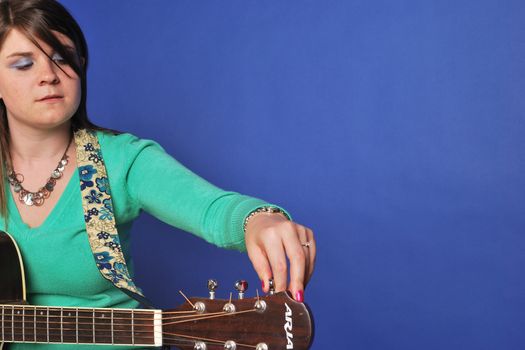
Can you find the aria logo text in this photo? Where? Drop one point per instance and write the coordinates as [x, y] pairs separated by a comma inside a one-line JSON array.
[[288, 327]]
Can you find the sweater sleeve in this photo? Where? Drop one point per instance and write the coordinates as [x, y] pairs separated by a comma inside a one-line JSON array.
[[163, 187]]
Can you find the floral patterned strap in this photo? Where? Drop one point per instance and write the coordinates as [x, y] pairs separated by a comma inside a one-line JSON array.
[[99, 215]]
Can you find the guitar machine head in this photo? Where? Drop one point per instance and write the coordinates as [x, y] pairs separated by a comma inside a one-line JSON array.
[[271, 322]]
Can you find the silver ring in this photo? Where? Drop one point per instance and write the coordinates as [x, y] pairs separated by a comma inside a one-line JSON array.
[[306, 244]]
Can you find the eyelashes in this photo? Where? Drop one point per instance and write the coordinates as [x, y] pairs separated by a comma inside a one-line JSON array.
[[26, 62], [22, 64], [58, 59]]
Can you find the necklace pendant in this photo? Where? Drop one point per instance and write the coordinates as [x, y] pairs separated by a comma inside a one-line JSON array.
[[43, 193], [38, 201], [57, 174], [27, 199], [49, 186]]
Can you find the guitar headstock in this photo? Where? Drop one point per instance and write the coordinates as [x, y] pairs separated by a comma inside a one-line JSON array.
[[271, 322]]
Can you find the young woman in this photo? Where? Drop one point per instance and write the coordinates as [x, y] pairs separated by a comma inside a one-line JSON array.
[[43, 63]]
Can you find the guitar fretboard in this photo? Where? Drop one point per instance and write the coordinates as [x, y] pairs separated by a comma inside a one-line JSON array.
[[37, 324]]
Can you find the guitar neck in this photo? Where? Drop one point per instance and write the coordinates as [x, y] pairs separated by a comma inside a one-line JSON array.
[[37, 324]]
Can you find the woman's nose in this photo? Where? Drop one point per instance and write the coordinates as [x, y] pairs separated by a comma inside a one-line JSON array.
[[49, 73]]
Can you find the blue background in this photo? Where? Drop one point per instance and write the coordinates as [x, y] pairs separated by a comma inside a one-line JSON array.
[[394, 129]]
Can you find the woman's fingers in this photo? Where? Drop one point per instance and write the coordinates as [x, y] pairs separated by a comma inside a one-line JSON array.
[[298, 257], [261, 265], [277, 258], [312, 250]]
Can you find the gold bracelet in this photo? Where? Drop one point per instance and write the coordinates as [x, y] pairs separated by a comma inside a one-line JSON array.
[[266, 209]]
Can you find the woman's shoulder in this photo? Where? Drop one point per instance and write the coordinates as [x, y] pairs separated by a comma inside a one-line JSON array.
[[123, 149], [124, 143], [113, 138]]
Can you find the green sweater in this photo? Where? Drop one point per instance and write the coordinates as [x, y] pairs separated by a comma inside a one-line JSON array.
[[60, 269]]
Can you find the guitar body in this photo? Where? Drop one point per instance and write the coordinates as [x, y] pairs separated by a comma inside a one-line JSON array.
[[271, 322], [12, 285]]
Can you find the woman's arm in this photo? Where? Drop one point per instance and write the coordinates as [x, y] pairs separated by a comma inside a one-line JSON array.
[[174, 194]]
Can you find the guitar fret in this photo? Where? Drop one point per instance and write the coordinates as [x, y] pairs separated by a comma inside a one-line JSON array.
[[84, 326], [76, 324], [94, 341], [31, 320], [47, 324], [144, 328], [102, 333], [54, 325], [2, 322], [13, 324], [23, 325], [112, 330], [34, 322], [17, 324], [122, 326], [133, 327], [68, 326], [40, 324], [28, 326]]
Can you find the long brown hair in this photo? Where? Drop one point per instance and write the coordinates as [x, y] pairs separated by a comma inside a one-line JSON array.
[[36, 19]]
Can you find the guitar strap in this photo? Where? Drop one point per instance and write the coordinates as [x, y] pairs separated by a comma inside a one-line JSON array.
[[99, 215]]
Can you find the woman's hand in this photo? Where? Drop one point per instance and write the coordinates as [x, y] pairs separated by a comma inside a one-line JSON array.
[[270, 240]]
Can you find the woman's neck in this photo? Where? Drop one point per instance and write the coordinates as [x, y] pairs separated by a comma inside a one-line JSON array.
[[28, 145]]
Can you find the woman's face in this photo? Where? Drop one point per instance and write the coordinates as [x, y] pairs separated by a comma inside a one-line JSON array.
[[35, 91]]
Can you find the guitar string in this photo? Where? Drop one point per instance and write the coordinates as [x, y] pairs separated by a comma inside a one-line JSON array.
[[208, 317], [170, 338], [89, 317], [173, 340], [108, 319], [88, 310], [43, 318], [210, 340], [20, 322]]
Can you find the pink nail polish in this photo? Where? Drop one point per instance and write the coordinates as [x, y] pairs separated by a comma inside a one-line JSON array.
[[262, 284], [299, 296]]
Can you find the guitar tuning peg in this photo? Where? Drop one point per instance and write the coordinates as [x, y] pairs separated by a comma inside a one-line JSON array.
[[212, 286], [199, 345], [230, 345], [241, 286], [271, 286]]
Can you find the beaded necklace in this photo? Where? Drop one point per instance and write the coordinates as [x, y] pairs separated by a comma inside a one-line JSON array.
[[37, 198]]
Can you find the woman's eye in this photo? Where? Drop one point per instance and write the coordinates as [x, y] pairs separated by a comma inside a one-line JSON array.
[[23, 64], [58, 58]]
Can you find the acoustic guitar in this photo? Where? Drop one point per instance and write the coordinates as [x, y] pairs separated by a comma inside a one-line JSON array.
[[271, 322]]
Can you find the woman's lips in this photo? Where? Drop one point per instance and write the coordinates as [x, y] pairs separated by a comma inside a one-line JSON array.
[[51, 98]]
